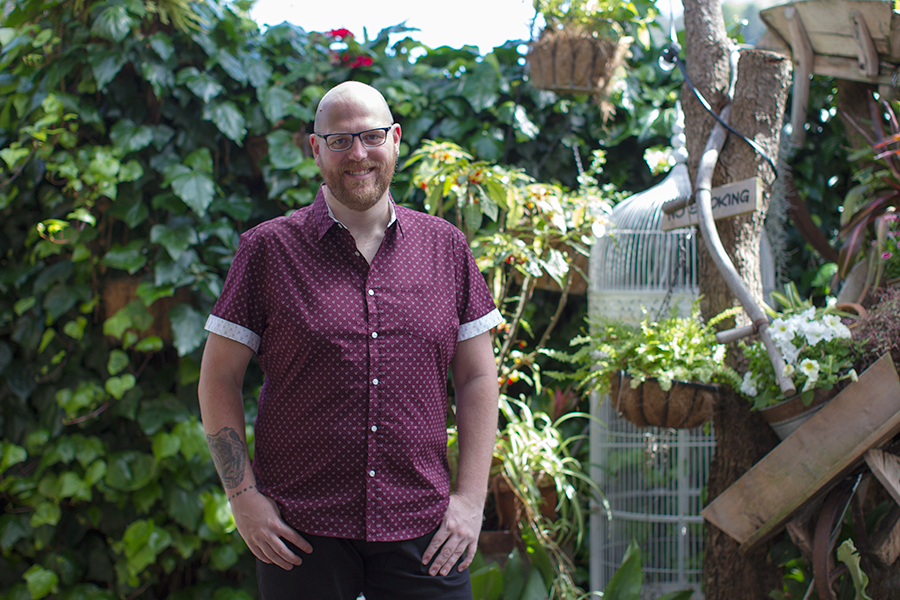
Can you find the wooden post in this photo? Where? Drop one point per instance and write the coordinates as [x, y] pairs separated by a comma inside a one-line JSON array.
[[865, 47]]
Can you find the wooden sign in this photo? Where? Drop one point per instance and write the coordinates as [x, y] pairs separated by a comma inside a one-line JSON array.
[[810, 461], [727, 201]]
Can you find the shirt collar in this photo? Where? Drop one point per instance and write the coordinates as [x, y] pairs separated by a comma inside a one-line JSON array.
[[324, 217]]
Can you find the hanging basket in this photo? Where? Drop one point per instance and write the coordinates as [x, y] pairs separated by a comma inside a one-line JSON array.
[[575, 61], [685, 406]]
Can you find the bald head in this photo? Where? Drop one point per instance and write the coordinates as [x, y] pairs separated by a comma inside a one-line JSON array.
[[351, 96]]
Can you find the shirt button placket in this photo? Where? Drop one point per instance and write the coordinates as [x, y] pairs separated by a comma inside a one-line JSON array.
[[373, 501]]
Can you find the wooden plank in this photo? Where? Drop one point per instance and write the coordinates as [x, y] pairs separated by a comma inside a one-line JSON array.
[[829, 26], [886, 468], [728, 200], [804, 59], [864, 415]]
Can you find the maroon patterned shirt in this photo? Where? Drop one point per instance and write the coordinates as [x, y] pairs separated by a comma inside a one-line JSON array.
[[351, 432]]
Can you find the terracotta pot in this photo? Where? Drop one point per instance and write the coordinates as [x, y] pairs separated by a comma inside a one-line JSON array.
[[787, 416], [509, 505], [685, 406]]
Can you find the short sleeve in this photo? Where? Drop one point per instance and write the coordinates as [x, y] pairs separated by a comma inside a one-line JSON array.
[[240, 312], [475, 306]]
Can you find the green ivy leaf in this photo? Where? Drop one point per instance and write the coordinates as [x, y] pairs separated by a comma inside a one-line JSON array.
[[118, 361], [117, 386], [129, 208], [12, 529], [113, 23], [184, 506], [195, 189], [276, 102], [156, 413], [223, 557], [129, 137], [229, 120], [231, 65], [41, 582], [165, 445], [75, 329], [192, 436], [131, 258], [175, 240], [105, 65], [149, 344], [95, 473], [283, 153], [203, 85], [11, 455], [129, 471], [187, 328]]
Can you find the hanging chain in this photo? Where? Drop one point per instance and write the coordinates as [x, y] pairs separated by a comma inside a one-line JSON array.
[[680, 263]]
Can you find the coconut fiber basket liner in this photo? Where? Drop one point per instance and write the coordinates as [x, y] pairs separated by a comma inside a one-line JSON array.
[[575, 62], [685, 406]]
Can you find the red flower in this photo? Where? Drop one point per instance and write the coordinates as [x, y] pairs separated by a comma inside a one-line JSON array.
[[340, 33], [361, 61]]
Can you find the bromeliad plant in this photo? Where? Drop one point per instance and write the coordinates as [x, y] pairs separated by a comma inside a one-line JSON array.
[[816, 346]]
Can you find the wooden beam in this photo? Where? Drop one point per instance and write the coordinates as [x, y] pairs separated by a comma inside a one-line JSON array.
[[848, 68], [886, 468], [812, 460], [804, 59], [865, 47]]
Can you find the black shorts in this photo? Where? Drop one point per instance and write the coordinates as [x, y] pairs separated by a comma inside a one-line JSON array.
[[340, 569]]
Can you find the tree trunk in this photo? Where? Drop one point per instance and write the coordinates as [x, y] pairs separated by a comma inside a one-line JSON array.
[[742, 437]]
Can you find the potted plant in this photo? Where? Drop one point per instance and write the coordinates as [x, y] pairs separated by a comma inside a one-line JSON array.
[[537, 483], [819, 353], [662, 373], [583, 43]]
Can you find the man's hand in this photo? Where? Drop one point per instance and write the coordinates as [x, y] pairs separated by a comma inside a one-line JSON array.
[[457, 535], [259, 522]]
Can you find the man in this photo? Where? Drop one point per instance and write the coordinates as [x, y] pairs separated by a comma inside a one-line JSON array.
[[355, 308]]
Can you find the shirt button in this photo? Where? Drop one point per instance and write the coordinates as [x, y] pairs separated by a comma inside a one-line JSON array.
[[371, 292], [356, 253], [375, 381], [374, 334], [371, 473], [374, 428]]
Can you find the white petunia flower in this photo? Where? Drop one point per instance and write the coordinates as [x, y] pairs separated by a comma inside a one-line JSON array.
[[748, 386], [810, 368], [788, 370], [816, 332]]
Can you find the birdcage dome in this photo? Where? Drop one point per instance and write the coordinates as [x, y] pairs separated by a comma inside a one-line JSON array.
[[637, 266]]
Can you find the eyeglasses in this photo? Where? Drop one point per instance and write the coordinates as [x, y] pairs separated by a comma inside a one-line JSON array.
[[371, 138]]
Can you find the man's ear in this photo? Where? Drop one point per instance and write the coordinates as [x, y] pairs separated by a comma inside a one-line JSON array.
[[314, 146]]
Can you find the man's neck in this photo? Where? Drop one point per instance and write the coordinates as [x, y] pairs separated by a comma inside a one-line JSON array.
[[367, 227]]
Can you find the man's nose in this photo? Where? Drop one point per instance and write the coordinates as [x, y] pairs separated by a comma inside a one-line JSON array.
[[357, 150]]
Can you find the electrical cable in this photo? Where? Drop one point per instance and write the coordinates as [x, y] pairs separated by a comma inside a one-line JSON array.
[[670, 54]]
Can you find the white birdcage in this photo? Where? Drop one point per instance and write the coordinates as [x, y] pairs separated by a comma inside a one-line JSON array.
[[652, 477]]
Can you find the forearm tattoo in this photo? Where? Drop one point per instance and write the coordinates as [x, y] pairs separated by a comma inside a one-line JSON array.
[[228, 455]]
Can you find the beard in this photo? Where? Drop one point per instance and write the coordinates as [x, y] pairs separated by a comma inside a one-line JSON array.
[[360, 195]]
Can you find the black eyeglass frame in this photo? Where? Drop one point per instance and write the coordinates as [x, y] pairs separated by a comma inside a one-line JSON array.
[[359, 135]]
